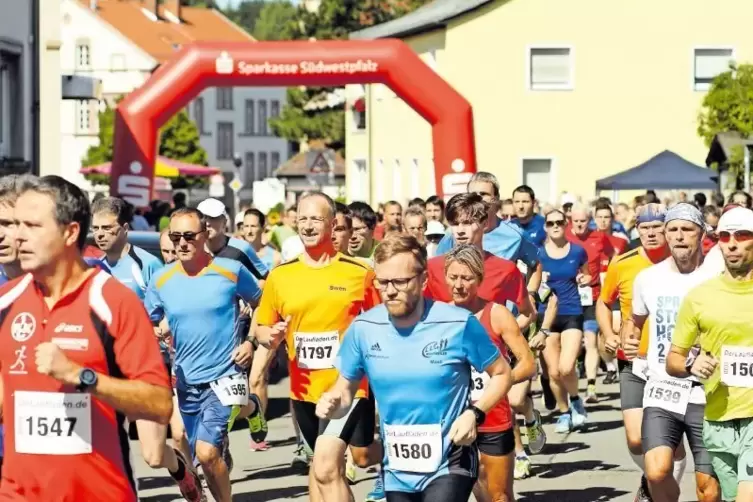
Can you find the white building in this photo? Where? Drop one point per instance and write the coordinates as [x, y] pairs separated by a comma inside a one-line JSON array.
[[122, 41]]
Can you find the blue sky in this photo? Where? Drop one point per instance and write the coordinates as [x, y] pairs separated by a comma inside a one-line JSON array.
[[225, 3]]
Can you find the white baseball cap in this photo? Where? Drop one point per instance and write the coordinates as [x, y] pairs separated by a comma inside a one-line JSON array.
[[211, 208], [738, 218], [434, 228]]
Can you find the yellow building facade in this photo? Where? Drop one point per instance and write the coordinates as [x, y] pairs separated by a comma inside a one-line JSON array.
[[564, 92]]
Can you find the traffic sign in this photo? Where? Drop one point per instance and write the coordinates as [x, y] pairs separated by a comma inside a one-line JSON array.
[[235, 185]]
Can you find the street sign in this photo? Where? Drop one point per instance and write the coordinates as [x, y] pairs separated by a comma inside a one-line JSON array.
[[235, 185]]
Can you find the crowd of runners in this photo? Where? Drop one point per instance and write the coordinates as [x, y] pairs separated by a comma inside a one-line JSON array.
[[484, 295]]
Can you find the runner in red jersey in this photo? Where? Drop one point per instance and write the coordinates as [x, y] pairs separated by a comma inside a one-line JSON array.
[[464, 273], [79, 354], [599, 250]]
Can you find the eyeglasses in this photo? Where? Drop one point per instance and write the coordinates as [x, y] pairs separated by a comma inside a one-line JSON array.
[[739, 235], [555, 223], [400, 284], [175, 237]]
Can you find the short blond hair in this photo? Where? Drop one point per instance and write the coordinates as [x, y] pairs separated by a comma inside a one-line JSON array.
[[468, 255], [395, 244]]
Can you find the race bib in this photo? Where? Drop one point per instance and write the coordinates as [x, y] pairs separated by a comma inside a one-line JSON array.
[[231, 390], [414, 448], [478, 384], [586, 296], [669, 394], [737, 366], [640, 368], [316, 351], [53, 423]]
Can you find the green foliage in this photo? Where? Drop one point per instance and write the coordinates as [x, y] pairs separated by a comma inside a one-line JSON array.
[[334, 20], [246, 14], [276, 21], [102, 152], [728, 107]]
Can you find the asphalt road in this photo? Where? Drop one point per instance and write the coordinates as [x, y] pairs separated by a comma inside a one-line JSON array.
[[591, 465]]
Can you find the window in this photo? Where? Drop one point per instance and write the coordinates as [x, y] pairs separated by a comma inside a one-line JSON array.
[[117, 62], [250, 168], [550, 68], [248, 126], [263, 165], [83, 55], [198, 115], [225, 137], [708, 63], [12, 112], [275, 108], [84, 117], [224, 98], [262, 118], [274, 162], [537, 174]]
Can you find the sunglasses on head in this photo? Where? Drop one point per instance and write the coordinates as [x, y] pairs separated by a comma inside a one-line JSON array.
[[175, 237], [739, 235], [555, 223]]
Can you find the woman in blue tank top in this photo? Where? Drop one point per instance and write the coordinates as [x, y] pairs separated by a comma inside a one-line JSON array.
[[565, 269]]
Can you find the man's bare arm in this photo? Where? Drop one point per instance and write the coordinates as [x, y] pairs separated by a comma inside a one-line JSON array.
[[604, 318], [136, 399], [677, 359]]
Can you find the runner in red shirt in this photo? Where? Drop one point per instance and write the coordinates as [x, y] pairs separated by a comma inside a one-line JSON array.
[[599, 250], [496, 442], [79, 355]]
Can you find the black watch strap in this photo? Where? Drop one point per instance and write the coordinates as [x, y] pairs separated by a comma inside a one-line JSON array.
[[480, 415]]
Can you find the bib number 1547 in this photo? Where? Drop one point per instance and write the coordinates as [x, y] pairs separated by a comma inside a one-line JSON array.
[[44, 426]]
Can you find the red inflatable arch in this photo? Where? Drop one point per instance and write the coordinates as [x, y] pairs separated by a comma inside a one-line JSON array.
[[328, 63]]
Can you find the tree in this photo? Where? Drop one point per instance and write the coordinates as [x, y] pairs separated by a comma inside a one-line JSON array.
[[246, 14], [275, 21], [728, 107], [334, 20]]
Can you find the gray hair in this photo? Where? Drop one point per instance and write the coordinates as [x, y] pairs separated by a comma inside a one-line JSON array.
[[115, 206], [11, 187], [485, 177], [468, 255], [415, 211]]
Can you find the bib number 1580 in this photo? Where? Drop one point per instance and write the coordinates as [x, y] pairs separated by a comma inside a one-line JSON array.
[[44, 426], [412, 451]]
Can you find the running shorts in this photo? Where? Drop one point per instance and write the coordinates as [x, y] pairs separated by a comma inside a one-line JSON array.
[[730, 445], [356, 428], [204, 416], [665, 428], [562, 322], [496, 444], [631, 387], [447, 488], [589, 319]]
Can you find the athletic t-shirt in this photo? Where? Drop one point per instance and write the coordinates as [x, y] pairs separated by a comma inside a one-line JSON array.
[[618, 284], [499, 418], [135, 270], [61, 444], [421, 378], [599, 250], [321, 302], [502, 282], [559, 274], [239, 250], [505, 241], [202, 312], [717, 315], [267, 257], [658, 292], [533, 230]]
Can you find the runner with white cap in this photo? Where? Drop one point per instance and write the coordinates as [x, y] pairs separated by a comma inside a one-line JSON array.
[[717, 315], [672, 406]]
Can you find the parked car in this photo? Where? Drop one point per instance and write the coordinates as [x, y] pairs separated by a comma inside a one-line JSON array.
[[148, 241]]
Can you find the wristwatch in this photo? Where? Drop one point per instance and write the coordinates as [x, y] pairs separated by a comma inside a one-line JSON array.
[[480, 415], [546, 332], [88, 378]]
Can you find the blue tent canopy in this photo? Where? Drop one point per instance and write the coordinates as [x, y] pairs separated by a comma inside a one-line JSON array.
[[665, 171]]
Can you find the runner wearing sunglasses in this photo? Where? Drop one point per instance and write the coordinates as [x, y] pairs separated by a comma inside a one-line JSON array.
[[565, 268]]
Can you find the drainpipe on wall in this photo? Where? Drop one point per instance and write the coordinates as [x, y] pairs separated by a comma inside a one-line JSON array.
[[35, 56]]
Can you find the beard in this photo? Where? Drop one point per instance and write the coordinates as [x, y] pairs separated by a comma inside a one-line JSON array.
[[403, 308]]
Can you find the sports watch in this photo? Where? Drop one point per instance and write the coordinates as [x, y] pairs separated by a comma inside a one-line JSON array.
[[88, 378], [480, 415]]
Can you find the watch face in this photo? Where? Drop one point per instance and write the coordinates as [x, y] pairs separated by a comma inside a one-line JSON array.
[[88, 377]]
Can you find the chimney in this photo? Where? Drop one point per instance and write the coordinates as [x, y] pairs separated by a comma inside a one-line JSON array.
[[174, 6]]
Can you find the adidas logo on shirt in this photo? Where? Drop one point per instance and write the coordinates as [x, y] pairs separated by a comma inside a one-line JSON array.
[[376, 347]]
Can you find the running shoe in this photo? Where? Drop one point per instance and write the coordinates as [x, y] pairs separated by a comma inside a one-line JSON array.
[[536, 435], [550, 403], [578, 411], [257, 424], [377, 493], [522, 467], [591, 394], [190, 485], [226, 456], [254, 446], [643, 495], [564, 424], [610, 378], [350, 472], [301, 458]]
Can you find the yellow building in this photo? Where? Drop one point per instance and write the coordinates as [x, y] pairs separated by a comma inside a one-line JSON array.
[[564, 92]]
